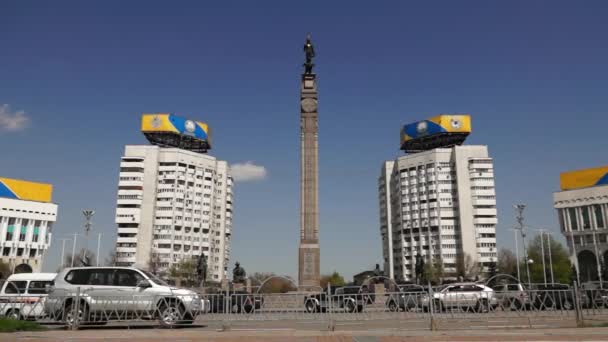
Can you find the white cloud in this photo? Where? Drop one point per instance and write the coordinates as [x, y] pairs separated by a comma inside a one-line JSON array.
[[12, 121], [247, 172]]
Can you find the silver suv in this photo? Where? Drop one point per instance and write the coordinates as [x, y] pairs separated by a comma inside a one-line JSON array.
[[512, 296], [477, 297], [99, 294]]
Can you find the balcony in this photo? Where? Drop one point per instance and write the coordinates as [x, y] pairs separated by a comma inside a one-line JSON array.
[[485, 220], [132, 164], [128, 219]]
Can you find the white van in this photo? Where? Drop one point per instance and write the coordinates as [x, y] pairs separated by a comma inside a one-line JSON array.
[[22, 295]]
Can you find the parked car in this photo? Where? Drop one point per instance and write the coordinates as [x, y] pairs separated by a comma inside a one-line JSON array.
[[556, 296], [349, 298], [477, 297], [108, 293], [513, 296], [234, 302], [597, 297], [22, 295], [408, 298]]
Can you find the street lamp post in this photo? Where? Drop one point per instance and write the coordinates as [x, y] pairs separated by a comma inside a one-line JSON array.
[[542, 250], [550, 257], [62, 262], [516, 254], [88, 214], [520, 220]]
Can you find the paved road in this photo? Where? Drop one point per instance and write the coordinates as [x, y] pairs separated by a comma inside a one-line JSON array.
[[370, 335]]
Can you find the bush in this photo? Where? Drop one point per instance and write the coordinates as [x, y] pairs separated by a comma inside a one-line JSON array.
[[12, 325]]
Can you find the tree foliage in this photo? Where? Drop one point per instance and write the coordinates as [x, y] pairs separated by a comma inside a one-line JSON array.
[[507, 262], [559, 256], [184, 272], [466, 267], [79, 258], [335, 279], [5, 270], [433, 273], [111, 258]]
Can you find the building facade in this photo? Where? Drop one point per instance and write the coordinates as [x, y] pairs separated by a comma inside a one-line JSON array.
[[439, 203], [582, 211], [27, 215], [173, 204]]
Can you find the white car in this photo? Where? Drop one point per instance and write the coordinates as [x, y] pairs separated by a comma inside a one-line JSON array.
[[477, 297], [119, 293], [22, 295]]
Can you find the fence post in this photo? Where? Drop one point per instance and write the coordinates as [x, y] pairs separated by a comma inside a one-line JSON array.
[[580, 322], [331, 326], [431, 308], [227, 309], [76, 310]]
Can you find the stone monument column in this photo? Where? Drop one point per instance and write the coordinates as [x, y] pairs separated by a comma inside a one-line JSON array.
[[309, 256]]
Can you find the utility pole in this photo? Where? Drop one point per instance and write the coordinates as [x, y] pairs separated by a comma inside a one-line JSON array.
[[74, 248], [98, 247], [542, 250], [88, 214], [550, 258], [520, 220], [62, 262], [516, 254]]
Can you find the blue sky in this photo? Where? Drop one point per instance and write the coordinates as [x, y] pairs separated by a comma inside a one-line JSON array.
[[533, 75]]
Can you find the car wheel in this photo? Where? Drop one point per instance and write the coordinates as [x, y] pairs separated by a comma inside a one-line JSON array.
[[311, 307], [482, 306], [350, 306], [170, 314], [14, 314], [438, 305], [392, 306], [516, 304], [69, 316]]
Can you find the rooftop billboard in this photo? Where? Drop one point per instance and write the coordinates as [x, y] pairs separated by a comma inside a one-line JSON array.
[[584, 178], [174, 131], [25, 190], [439, 131]]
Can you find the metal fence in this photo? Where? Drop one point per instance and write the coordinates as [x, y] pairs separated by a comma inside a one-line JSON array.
[[423, 309]]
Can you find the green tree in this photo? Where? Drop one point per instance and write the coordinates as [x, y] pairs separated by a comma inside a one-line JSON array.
[[258, 278], [507, 262], [5, 270], [432, 272], [184, 272], [559, 256], [335, 279]]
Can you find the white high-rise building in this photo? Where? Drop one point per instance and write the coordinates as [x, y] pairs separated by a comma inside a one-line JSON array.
[[26, 223], [173, 204], [441, 204]]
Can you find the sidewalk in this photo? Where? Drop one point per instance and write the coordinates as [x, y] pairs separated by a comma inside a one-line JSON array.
[[281, 335]]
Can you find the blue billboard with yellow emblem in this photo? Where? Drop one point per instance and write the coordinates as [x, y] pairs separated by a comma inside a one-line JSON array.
[[25, 190], [168, 130], [439, 131], [584, 178]]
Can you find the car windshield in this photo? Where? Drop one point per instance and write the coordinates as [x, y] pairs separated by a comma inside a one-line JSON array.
[[156, 280]]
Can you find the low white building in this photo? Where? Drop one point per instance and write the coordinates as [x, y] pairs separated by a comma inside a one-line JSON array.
[[582, 211], [26, 223]]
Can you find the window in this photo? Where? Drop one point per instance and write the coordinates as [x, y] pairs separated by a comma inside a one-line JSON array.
[[15, 287], [599, 218], [77, 277], [572, 214], [586, 219], [38, 287], [6, 251], [100, 277], [128, 278]]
